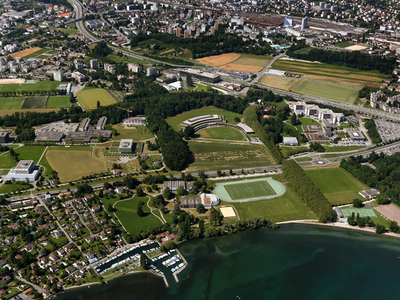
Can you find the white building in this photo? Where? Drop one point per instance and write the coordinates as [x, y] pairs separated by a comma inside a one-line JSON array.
[[290, 141], [94, 63], [319, 113], [151, 71], [134, 68], [25, 170], [58, 76], [209, 200]]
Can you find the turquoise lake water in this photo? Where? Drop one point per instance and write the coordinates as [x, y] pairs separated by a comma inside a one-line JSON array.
[[293, 262]]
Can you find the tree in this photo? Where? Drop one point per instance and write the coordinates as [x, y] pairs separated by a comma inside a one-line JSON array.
[[189, 80], [100, 138], [110, 208], [43, 251], [200, 208], [177, 209], [236, 119], [167, 193], [382, 199], [380, 229], [357, 203], [139, 209], [180, 190], [293, 119], [139, 191], [143, 263], [98, 104]]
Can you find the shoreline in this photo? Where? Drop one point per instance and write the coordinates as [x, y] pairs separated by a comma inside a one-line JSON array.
[[341, 226], [302, 222]]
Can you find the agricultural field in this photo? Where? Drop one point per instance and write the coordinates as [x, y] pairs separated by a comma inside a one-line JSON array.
[[7, 103], [221, 133], [342, 148], [331, 73], [212, 155], [46, 53], [284, 208], [127, 213], [33, 102], [318, 89], [135, 133], [175, 122], [58, 101], [88, 98], [337, 185], [72, 164], [26, 52], [237, 62]]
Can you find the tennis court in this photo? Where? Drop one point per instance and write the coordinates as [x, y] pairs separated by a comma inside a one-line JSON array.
[[364, 212], [250, 190]]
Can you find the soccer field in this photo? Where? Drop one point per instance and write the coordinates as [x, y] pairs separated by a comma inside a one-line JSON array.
[[249, 190], [34, 102], [88, 98]]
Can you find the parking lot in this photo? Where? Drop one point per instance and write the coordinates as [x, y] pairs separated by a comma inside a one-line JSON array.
[[387, 130]]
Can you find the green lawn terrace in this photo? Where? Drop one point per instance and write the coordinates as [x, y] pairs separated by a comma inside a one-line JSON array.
[[250, 190]]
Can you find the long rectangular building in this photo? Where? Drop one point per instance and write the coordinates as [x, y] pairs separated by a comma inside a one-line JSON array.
[[202, 76], [101, 123], [84, 124]]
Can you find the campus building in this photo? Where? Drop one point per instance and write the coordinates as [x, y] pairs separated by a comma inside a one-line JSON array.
[[202, 76], [49, 136], [4, 137], [201, 120], [94, 63], [290, 141], [101, 123], [125, 146], [173, 184], [24, 171], [84, 124], [58, 76], [208, 200], [139, 120], [356, 135], [319, 113]]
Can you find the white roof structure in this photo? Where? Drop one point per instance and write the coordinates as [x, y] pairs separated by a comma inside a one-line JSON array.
[[290, 141], [276, 72], [246, 128]]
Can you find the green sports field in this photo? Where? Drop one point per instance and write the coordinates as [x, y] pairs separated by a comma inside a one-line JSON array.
[[175, 122], [33, 102], [222, 133], [7, 103], [38, 86], [88, 98], [363, 212], [249, 190], [58, 101], [337, 185]]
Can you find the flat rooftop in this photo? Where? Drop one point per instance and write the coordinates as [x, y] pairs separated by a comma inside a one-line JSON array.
[[126, 143], [24, 164], [49, 136]]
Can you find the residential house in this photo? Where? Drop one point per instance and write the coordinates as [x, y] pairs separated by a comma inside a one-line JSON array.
[[5, 280], [88, 198], [3, 262], [21, 272], [96, 209], [120, 190], [43, 241], [54, 268], [64, 195], [90, 254], [44, 260], [70, 270], [56, 234], [29, 247], [39, 209], [53, 256], [73, 235]]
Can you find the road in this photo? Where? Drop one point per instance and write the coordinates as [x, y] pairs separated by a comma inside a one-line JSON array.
[[36, 287], [266, 68]]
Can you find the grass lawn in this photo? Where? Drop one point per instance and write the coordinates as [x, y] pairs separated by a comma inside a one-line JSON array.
[[342, 148], [7, 103], [30, 152], [212, 155], [58, 101], [42, 52], [299, 159], [337, 185], [32, 102], [222, 133], [8, 188], [285, 208], [135, 133], [331, 73], [38, 86], [175, 122], [126, 212], [6, 161], [72, 165], [88, 98], [124, 59], [67, 30], [306, 121], [304, 50], [344, 44]]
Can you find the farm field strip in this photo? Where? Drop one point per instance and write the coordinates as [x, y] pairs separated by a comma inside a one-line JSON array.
[[58, 101], [33, 102], [26, 52], [318, 89], [13, 111], [331, 73]]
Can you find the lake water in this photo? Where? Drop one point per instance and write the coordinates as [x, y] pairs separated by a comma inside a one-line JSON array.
[[293, 262]]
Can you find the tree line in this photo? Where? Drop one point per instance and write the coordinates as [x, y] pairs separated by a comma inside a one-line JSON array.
[[306, 188], [31, 93], [353, 59], [372, 131], [206, 45]]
